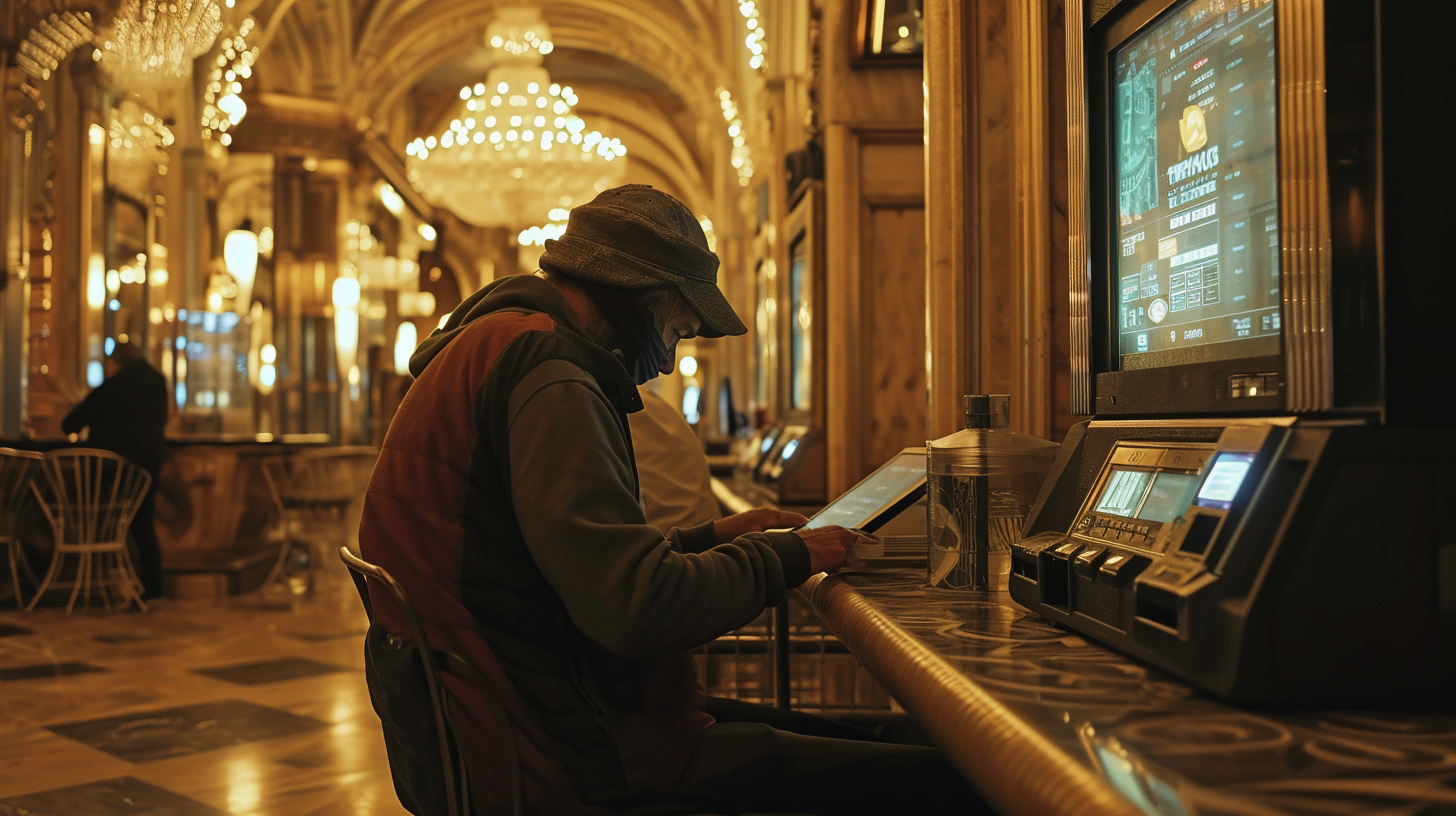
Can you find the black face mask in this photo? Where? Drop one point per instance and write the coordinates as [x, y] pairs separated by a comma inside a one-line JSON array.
[[649, 355]]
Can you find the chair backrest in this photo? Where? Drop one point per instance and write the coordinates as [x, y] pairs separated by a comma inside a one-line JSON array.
[[327, 480], [452, 764], [17, 468], [89, 495]]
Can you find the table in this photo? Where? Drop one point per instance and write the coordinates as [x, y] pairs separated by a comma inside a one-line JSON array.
[[1044, 721]]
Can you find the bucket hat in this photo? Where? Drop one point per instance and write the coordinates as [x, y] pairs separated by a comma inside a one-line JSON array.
[[634, 237]]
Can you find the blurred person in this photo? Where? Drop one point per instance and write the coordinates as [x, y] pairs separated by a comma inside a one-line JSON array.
[[507, 504], [127, 415], [677, 485]]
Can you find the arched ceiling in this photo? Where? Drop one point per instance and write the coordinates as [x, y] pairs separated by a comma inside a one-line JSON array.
[[645, 70]]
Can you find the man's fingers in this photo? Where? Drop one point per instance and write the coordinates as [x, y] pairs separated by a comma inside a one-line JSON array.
[[783, 518]]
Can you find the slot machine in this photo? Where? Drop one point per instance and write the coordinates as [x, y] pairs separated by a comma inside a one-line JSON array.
[[1259, 503]]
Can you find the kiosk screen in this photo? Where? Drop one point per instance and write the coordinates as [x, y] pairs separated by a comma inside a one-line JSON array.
[[1170, 496], [1224, 480], [1124, 490], [883, 494], [1193, 145]]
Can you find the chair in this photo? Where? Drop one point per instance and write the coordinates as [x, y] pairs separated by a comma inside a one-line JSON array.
[[319, 495], [452, 763], [17, 468], [89, 497]]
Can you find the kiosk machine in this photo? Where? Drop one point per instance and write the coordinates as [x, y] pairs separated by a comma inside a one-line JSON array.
[[1262, 501]]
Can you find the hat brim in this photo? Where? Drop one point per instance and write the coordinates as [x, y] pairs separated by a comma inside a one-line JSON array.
[[711, 307], [601, 264]]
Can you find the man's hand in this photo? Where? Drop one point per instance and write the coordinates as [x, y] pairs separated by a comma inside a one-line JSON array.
[[754, 521], [828, 547]]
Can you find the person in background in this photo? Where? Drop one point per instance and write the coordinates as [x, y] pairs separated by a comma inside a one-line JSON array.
[[127, 415], [677, 489]]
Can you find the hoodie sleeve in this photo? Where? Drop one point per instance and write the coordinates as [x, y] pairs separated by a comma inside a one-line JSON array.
[[626, 587]]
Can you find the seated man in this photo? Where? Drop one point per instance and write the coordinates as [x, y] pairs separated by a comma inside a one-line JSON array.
[[507, 504]]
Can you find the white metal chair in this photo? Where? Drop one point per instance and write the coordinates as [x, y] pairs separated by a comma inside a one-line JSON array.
[[89, 497], [17, 468], [319, 495]]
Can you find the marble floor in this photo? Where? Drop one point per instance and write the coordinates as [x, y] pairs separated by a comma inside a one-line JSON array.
[[191, 708]]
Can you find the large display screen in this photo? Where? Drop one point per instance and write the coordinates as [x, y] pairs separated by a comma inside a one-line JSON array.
[[801, 346], [1193, 143]]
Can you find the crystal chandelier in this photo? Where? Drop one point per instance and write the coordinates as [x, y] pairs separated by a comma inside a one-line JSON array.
[[513, 150], [223, 107], [153, 42], [51, 40]]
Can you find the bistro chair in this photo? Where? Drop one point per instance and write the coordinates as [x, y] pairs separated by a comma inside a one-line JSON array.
[[456, 784], [319, 496], [17, 468], [89, 498]]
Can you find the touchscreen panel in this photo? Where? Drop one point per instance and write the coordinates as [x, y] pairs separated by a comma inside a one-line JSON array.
[[1124, 490], [1169, 497], [1193, 143], [1224, 479], [896, 484]]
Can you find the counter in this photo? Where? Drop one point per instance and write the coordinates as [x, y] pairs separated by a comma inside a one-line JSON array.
[[1044, 721]]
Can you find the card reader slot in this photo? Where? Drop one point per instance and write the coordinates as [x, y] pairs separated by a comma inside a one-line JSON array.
[[1056, 574], [1157, 606]]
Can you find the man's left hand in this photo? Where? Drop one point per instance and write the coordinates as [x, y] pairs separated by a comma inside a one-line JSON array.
[[754, 521]]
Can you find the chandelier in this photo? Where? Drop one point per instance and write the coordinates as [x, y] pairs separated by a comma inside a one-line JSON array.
[[51, 40], [513, 150], [153, 42], [223, 107]]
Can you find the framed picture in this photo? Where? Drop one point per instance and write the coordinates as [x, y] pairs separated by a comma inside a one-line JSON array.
[[890, 32]]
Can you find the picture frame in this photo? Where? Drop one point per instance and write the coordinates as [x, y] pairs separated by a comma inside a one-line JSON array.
[[889, 33]]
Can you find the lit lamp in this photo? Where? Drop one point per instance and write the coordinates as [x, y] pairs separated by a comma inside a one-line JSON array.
[[404, 345], [346, 320], [267, 374], [240, 254]]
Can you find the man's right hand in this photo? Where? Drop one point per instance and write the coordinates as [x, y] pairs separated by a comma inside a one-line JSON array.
[[828, 547]]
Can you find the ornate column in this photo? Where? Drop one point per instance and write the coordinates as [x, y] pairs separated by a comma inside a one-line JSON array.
[[991, 194], [17, 103]]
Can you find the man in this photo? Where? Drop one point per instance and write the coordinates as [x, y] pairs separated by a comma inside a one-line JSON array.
[[506, 503], [127, 415]]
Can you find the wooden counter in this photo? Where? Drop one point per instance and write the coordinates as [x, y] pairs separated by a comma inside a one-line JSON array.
[[1044, 721]]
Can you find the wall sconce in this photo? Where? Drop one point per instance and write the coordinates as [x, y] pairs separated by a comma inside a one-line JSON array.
[[416, 304], [404, 345], [346, 320], [240, 255], [391, 199]]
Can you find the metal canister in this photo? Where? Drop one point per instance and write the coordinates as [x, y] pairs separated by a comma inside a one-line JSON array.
[[981, 483]]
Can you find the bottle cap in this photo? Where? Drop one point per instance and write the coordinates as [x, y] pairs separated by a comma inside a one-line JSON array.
[[988, 410]]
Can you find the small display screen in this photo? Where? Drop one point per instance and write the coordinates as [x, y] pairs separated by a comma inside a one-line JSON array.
[[1170, 496], [896, 485], [789, 449], [1193, 143], [1224, 479], [1123, 491], [801, 346]]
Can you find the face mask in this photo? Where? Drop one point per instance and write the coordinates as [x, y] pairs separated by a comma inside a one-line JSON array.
[[649, 355]]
